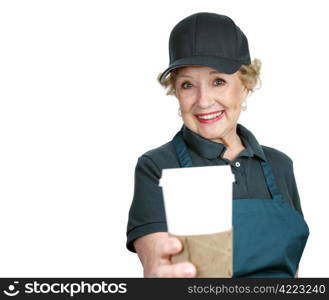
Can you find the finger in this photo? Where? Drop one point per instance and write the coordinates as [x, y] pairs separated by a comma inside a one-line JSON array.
[[169, 247], [184, 269]]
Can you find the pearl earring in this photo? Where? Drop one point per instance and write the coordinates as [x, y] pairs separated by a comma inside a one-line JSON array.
[[244, 105], [179, 112]]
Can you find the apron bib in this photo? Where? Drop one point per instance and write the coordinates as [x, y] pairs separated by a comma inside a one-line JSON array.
[[269, 236]]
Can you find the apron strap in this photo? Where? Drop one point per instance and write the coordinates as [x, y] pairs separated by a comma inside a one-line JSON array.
[[270, 181], [181, 150]]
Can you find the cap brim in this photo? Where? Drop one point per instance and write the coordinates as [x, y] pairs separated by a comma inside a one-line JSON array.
[[223, 65]]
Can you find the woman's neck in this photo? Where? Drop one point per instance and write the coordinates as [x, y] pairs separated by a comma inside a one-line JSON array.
[[233, 145]]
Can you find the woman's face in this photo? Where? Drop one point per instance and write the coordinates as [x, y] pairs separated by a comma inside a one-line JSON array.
[[210, 101]]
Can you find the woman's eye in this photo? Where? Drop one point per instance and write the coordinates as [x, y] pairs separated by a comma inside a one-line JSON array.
[[219, 81], [186, 84]]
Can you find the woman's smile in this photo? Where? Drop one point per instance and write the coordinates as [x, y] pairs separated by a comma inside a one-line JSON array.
[[211, 117]]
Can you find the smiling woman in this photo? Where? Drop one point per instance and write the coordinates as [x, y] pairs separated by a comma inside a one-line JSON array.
[[196, 87], [211, 74], [210, 104]]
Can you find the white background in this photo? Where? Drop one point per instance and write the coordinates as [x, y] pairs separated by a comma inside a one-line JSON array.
[[79, 103]]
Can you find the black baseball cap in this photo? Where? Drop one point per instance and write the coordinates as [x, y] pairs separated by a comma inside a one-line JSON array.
[[207, 39]]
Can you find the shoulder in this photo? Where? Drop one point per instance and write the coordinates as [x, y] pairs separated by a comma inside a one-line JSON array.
[[278, 159], [273, 155], [276, 155], [161, 157]]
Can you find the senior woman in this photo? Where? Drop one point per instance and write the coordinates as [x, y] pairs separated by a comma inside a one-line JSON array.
[[211, 75]]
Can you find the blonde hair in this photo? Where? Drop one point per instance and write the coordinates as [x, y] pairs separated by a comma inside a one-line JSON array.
[[248, 74]]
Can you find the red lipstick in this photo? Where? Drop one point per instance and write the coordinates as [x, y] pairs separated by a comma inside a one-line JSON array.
[[211, 117]]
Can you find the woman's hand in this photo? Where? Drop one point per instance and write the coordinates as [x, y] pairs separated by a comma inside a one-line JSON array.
[[155, 250]]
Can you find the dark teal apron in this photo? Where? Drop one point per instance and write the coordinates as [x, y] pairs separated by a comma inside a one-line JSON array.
[[269, 235]]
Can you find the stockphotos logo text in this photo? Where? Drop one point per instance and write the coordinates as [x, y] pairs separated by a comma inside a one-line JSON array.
[[73, 288]]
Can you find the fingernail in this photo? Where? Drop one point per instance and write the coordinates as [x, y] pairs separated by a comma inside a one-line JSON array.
[[189, 271]]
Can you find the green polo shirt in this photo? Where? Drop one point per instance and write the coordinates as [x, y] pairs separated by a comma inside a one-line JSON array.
[[147, 214]]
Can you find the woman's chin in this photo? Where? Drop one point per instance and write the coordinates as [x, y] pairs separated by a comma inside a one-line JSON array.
[[210, 134], [207, 131]]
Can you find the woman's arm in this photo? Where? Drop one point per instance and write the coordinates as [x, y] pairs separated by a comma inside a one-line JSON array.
[[154, 251]]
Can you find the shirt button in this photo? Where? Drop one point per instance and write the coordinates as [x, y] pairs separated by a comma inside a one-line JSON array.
[[237, 164]]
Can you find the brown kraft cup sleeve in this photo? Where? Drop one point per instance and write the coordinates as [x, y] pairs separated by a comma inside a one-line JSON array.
[[210, 253]]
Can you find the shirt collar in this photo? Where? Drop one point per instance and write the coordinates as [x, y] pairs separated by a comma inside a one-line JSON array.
[[211, 150]]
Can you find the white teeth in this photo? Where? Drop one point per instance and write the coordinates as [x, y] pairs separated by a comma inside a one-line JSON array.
[[207, 117]]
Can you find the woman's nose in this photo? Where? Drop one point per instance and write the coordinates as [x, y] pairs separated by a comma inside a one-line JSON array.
[[204, 97]]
